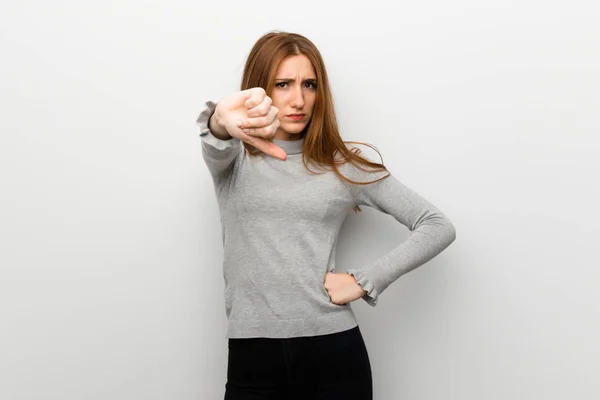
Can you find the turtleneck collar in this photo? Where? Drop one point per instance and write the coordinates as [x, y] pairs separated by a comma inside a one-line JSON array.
[[290, 146]]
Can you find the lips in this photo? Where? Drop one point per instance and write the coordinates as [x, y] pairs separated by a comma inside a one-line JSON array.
[[296, 117]]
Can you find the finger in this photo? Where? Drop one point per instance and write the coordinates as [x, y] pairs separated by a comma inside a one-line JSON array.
[[266, 132], [261, 109], [263, 121], [255, 97], [261, 144], [258, 122], [266, 146]]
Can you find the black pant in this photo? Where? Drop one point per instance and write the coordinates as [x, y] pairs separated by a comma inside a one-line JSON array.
[[324, 367]]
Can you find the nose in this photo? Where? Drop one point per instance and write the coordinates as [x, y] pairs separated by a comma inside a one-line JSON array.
[[298, 98]]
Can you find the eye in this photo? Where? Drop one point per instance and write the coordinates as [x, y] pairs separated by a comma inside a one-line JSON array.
[[280, 84], [311, 85]]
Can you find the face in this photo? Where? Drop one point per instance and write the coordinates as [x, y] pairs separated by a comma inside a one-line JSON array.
[[294, 94]]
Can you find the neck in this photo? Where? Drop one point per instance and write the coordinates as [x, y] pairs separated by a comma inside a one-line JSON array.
[[293, 146]]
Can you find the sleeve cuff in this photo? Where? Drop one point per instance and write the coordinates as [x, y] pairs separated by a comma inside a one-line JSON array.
[[205, 133], [372, 296]]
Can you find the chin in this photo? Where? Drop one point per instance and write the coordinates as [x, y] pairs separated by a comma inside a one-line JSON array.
[[293, 128]]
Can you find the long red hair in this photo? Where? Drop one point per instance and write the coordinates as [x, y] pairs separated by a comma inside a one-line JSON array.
[[323, 144]]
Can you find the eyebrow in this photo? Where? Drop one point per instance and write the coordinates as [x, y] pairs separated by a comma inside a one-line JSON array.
[[293, 80]]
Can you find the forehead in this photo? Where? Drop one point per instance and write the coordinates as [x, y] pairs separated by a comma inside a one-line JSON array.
[[297, 65]]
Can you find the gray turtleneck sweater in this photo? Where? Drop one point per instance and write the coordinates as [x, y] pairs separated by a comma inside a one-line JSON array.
[[279, 228]]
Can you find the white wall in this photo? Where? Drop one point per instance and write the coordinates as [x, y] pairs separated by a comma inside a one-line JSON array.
[[110, 279]]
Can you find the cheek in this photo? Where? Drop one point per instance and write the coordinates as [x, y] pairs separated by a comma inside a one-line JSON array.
[[276, 100], [312, 104]]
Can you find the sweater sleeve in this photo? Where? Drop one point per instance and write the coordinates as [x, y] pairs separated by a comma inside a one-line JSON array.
[[431, 230], [219, 155]]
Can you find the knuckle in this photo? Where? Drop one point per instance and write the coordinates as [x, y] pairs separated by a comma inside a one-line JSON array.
[[260, 111]]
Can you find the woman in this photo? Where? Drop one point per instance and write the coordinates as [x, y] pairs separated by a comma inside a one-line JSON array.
[[284, 181]]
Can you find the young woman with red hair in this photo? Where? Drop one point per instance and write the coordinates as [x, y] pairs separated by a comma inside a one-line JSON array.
[[284, 181]]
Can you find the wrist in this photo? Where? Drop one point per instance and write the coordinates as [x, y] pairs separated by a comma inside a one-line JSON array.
[[216, 128]]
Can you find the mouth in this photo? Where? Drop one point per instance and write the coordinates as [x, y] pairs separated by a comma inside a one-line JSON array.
[[296, 116]]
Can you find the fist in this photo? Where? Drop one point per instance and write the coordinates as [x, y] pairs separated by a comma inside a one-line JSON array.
[[249, 116], [342, 288]]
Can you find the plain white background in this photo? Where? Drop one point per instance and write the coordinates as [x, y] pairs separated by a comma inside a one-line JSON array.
[[110, 246]]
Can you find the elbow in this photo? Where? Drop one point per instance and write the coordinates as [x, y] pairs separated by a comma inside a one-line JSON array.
[[439, 226], [451, 232], [448, 231]]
